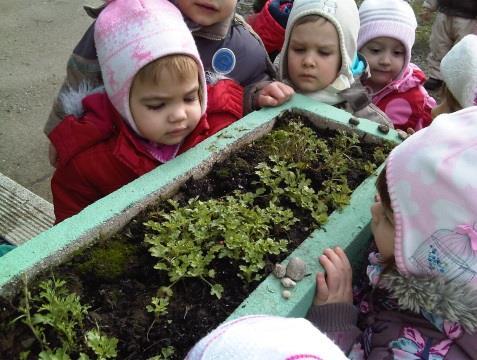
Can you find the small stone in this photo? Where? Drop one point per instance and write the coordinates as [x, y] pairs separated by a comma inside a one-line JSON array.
[[287, 282], [402, 134], [279, 270], [353, 120], [383, 128], [286, 294], [296, 269]]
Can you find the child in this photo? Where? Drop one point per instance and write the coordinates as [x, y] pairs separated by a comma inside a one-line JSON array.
[[454, 20], [265, 337], [424, 299], [152, 107], [459, 72], [226, 45], [318, 52], [386, 37]]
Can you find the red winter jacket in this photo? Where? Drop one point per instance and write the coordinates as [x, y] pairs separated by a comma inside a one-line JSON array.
[[98, 153], [269, 30]]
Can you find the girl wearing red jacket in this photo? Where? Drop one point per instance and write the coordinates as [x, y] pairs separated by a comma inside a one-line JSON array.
[[151, 109]]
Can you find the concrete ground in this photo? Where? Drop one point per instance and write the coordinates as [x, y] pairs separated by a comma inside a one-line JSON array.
[[36, 38]]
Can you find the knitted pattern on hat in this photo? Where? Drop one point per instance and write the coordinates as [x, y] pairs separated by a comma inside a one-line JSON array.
[[343, 14], [130, 34], [266, 337], [432, 183], [388, 18], [459, 70]]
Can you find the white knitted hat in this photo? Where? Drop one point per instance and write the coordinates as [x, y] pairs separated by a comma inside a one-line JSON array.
[[343, 14], [388, 18], [130, 34], [266, 337], [459, 71]]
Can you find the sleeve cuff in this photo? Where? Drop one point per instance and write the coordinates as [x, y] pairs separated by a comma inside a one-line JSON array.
[[333, 317]]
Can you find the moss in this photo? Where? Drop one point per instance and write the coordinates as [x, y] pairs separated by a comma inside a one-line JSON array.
[[108, 260]]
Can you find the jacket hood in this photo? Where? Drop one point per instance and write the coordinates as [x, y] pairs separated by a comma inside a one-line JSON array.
[[451, 301]]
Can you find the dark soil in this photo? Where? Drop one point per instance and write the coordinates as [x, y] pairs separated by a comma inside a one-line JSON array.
[[118, 288]]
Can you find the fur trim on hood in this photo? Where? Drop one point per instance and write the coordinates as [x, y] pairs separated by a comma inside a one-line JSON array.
[[451, 301], [71, 99]]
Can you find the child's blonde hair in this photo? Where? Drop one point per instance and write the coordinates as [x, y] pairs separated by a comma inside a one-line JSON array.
[[180, 66]]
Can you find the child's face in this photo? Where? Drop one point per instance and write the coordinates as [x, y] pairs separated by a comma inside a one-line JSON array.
[[167, 111], [382, 226], [314, 56], [386, 58], [206, 12]]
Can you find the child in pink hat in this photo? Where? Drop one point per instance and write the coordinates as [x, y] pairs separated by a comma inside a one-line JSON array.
[[386, 37], [151, 109], [423, 303], [226, 44]]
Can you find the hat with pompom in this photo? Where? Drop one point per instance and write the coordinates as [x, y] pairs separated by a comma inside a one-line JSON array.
[[130, 34]]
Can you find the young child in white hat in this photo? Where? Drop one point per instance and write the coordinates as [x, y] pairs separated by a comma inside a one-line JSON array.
[[459, 74]]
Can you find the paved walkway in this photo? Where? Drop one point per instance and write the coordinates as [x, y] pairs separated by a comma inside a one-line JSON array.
[[36, 40]]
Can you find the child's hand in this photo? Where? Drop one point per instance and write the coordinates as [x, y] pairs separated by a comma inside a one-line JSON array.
[[336, 287], [274, 94]]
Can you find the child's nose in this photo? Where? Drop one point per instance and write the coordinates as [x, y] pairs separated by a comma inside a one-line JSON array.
[[308, 60], [385, 59], [178, 114]]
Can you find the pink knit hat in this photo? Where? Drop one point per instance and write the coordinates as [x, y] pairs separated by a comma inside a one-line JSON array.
[[130, 34], [432, 182], [266, 337], [388, 18]]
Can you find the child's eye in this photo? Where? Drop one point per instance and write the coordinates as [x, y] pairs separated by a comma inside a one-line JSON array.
[[191, 99], [398, 53], [155, 107], [298, 50], [324, 53]]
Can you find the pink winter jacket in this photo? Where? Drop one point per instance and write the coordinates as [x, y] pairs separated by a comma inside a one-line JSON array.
[[405, 101]]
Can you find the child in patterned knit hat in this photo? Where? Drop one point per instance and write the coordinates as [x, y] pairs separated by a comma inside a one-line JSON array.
[[318, 54], [266, 337], [423, 304], [386, 37], [459, 74], [151, 109]]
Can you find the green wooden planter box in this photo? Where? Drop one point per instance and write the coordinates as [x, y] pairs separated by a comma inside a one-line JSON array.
[[348, 228]]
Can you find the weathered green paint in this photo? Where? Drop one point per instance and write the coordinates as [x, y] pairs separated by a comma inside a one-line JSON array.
[[109, 214]]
